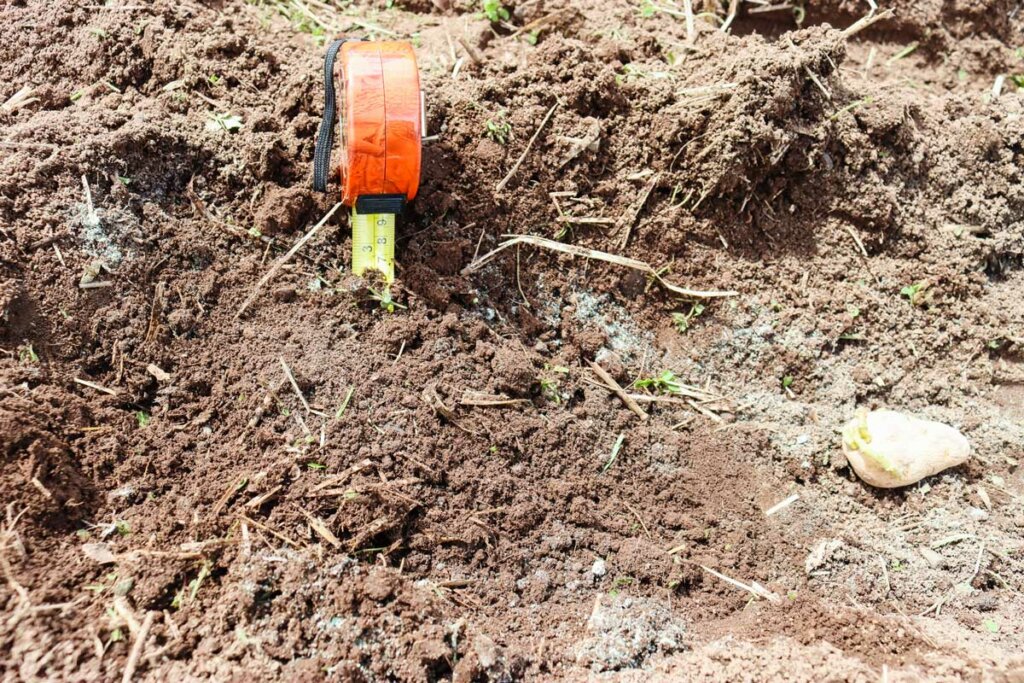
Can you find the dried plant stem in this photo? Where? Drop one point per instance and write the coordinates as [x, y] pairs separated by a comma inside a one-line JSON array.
[[618, 391], [574, 250], [505, 181], [282, 260], [864, 22]]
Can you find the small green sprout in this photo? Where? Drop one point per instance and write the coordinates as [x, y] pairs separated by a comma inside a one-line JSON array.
[[143, 418], [915, 293], [77, 95], [533, 36], [384, 298], [991, 625], [122, 527], [615, 452], [194, 584], [344, 403], [224, 121], [549, 389], [787, 381], [500, 131], [26, 354], [905, 52], [682, 320], [124, 180], [494, 11], [619, 582], [213, 79], [316, 466], [799, 14], [664, 383]]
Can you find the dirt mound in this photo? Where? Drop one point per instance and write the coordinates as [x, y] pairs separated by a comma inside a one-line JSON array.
[[438, 486]]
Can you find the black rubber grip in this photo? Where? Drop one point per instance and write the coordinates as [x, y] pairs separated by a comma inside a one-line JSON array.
[[325, 136]]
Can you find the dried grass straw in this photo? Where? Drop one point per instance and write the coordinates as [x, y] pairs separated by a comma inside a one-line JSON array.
[[574, 250]]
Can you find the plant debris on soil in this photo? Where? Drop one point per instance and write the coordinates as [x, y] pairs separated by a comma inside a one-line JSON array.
[[434, 482]]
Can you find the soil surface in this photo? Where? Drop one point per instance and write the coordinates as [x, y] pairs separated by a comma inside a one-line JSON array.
[[323, 488]]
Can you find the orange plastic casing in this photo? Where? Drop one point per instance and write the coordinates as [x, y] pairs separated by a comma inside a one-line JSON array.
[[380, 108]]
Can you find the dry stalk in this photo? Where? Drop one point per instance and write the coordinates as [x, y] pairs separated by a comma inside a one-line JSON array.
[[320, 528], [282, 260], [629, 220], [137, 647], [583, 252], [755, 589], [505, 181], [97, 387], [782, 505], [862, 23], [619, 391], [295, 385]]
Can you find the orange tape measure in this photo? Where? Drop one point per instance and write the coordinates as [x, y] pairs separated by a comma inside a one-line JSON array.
[[381, 120], [380, 112]]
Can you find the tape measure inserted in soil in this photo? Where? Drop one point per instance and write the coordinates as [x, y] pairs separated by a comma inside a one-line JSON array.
[[380, 113]]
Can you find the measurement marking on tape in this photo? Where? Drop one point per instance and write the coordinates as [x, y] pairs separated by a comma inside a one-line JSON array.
[[373, 244]]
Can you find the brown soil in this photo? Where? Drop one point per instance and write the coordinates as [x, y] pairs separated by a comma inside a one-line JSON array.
[[377, 534]]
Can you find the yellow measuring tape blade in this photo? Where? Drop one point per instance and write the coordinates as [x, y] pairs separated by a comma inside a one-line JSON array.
[[373, 244]]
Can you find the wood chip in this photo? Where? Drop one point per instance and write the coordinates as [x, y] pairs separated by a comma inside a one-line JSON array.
[[320, 528], [158, 373]]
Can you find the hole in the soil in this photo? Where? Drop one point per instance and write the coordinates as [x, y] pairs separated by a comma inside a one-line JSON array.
[[263, 600], [999, 263]]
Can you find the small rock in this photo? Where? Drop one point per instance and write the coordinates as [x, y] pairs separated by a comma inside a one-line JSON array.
[[934, 559], [977, 514], [821, 554], [98, 552], [600, 568], [284, 294], [486, 651]]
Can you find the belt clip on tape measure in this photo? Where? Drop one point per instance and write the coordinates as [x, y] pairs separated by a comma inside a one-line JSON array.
[[380, 112]]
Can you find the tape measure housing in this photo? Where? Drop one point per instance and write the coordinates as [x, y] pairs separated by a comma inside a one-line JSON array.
[[381, 120]]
